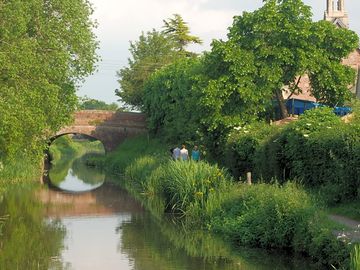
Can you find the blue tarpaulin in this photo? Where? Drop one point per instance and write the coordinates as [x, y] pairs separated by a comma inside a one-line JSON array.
[[298, 107]]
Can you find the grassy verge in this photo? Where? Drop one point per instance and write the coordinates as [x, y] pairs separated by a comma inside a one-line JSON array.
[[19, 172], [348, 209], [270, 216]]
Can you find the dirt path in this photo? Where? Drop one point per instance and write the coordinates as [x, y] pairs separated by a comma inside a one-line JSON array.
[[351, 229]]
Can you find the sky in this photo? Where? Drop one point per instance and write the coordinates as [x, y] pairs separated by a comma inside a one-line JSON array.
[[122, 21]]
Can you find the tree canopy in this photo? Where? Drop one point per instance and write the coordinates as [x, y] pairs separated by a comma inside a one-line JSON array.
[[154, 50], [46, 48], [178, 30], [87, 103]]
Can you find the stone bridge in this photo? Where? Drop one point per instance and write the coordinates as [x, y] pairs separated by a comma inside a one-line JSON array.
[[111, 128]]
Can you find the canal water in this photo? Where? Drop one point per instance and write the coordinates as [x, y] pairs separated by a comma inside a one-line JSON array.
[[100, 226]]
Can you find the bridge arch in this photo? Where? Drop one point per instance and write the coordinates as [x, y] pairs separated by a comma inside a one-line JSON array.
[[111, 128]]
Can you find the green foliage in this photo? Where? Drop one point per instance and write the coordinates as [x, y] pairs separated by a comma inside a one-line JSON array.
[[19, 172], [63, 147], [266, 215], [330, 79], [178, 31], [355, 258], [274, 216], [243, 145], [46, 48], [152, 51], [66, 153], [349, 209], [319, 149], [324, 152], [131, 149], [234, 85], [193, 188], [94, 104], [171, 103]]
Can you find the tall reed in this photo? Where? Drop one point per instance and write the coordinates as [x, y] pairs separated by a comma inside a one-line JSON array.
[[355, 258]]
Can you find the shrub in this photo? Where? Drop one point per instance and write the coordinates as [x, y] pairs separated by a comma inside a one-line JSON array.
[[319, 149], [264, 215], [324, 152], [242, 146], [274, 216]]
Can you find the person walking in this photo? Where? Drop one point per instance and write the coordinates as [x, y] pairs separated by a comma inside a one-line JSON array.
[[195, 154], [184, 154], [176, 153]]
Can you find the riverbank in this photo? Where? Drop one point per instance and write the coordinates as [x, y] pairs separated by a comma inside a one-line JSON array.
[[269, 216]]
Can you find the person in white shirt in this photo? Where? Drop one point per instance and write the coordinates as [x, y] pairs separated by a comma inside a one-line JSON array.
[[184, 154]]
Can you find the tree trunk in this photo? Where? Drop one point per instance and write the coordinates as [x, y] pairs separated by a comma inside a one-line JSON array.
[[283, 110]]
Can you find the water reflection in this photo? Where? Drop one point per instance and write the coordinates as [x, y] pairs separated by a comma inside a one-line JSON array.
[[74, 176], [27, 240], [155, 244], [108, 229]]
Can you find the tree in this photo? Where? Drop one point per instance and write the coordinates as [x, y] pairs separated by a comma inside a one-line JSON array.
[[46, 48], [87, 103], [171, 102], [270, 48], [152, 51], [178, 30]]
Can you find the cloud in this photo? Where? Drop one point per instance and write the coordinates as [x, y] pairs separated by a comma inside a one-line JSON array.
[[125, 20]]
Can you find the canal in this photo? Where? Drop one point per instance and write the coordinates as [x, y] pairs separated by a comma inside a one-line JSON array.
[[83, 222]]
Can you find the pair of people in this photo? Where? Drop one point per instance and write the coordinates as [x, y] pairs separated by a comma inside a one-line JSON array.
[[183, 153]]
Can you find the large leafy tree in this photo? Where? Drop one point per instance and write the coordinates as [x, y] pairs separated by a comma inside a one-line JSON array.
[[270, 48], [46, 48]]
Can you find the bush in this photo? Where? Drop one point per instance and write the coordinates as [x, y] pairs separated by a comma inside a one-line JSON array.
[[325, 153], [319, 149], [264, 215], [274, 216], [242, 146]]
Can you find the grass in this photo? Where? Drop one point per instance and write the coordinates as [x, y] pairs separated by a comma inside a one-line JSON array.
[[19, 172], [348, 209]]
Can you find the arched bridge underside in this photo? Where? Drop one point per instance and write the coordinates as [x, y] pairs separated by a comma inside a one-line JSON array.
[[111, 128]]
